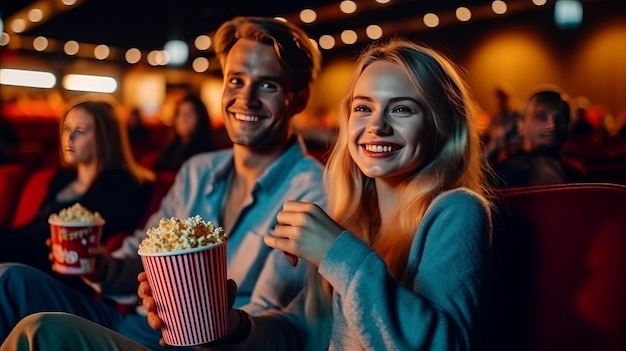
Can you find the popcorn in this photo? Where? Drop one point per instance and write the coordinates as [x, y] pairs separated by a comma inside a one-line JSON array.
[[181, 234], [76, 214]]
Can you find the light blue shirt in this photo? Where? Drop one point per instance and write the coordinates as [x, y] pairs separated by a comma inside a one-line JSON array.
[[199, 189]]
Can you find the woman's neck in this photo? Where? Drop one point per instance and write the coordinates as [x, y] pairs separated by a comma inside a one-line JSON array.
[[86, 174], [387, 198]]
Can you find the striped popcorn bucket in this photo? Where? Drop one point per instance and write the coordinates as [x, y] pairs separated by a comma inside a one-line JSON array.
[[189, 289]]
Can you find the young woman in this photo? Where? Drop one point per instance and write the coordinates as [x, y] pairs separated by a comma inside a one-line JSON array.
[[402, 259], [191, 134], [401, 262], [97, 171]]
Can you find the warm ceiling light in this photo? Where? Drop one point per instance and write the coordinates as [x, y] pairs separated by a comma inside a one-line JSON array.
[[18, 25], [374, 32], [499, 7], [382, 1], [463, 14], [162, 57], [539, 2], [25, 78], [84, 82], [40, 43], [314, 43], [68, 2], [133, 56], [349, 37], [200, 64], [101, 52], [347, 6], [308, 16], [327, 42], [203, 42], [152, 58], [71, 47], [4, 38], [35, 15], [431, 20]]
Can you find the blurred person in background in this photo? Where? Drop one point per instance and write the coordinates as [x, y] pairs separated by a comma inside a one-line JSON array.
[[98, 171], [543, 130], [138, 133], [191, 133], [269, 67]]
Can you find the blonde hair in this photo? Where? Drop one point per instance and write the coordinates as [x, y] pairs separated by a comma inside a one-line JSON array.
[[454, 161]]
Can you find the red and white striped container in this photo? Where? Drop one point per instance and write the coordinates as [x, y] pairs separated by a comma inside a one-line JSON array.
[[189, 289]]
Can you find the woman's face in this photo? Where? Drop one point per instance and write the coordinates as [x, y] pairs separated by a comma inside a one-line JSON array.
[[388, 127], [186, 120], [78, 140]]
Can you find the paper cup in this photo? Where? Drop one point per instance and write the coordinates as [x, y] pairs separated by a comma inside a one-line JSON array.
[[70, 244], [189, 289]]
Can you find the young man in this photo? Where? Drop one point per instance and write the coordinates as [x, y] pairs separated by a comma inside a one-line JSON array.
[[543, 131], [268, 68]]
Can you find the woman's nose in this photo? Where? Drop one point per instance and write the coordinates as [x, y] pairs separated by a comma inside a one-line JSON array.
[[378, 125]]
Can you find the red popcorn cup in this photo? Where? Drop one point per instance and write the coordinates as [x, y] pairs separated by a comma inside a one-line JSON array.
[[189, 289], [70, 244]]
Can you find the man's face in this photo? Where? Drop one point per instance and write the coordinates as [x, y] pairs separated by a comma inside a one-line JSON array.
[[255, 96], [543, 127]]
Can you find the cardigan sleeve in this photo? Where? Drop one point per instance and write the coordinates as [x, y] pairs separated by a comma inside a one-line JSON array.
[[441, 311]]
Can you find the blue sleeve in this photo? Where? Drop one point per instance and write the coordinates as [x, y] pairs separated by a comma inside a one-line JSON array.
[[448, 261]]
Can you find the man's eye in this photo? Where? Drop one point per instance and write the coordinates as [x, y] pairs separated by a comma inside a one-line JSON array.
[[267, 86], [235, 81]]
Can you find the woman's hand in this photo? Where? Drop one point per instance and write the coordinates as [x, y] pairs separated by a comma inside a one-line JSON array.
[[304, 230]]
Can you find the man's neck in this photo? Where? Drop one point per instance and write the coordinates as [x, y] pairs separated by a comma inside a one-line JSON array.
[[250, 164]]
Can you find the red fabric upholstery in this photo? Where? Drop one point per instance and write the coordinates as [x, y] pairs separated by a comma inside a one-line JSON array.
[[11, 180], [31, 197], [560, 260]]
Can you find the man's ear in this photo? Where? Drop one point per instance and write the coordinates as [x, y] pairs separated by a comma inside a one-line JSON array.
[[296, 102], [521, 126]]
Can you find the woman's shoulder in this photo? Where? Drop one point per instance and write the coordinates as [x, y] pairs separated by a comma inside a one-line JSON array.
[[461, 199]]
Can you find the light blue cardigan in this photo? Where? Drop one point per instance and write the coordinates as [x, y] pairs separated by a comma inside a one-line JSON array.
[[444, 308]]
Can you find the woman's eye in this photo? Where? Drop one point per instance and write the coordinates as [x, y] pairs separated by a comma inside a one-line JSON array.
[[402, 109], [234, 81], [360, 108]]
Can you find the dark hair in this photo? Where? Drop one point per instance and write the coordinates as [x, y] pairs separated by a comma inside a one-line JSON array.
[[202, 134], [112, 144], [297, 54]]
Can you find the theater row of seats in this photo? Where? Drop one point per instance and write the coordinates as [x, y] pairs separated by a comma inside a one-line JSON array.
[[22, 193], [559, 260]]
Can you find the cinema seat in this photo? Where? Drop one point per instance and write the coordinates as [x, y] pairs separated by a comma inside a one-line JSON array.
[[11, 180], [560, 268]]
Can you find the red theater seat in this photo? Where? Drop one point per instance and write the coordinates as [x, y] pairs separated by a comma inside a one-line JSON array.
[[560, 268], [32, 196], [11, 180]]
